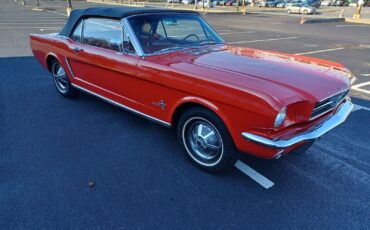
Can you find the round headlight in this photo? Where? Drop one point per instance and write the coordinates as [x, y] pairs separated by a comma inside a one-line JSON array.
[[280, 117]]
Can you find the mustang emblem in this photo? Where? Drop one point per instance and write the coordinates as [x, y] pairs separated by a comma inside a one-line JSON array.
[[161, 103]]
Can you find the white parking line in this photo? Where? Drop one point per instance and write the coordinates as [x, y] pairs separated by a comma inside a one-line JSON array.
[[339, 26], [30, 27], [32, 23], [358, 87], [54, 12], [31, 17], [265, 22], [264, 40], [320, 51], [365, 74], [242, 32], [260, 179]]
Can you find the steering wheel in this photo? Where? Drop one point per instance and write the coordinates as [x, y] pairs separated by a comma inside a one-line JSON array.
[[153, 37], [191, 35]]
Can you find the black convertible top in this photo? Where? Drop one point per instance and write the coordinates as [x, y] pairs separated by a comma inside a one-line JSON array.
[[109, 12]]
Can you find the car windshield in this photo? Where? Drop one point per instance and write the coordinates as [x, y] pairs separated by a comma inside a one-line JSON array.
[[159, 33]]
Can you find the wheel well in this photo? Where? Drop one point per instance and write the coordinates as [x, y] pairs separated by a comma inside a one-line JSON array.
[[182, 108], [49, 61]]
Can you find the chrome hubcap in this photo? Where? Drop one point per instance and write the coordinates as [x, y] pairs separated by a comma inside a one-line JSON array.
[[204, 141], [60, 78]]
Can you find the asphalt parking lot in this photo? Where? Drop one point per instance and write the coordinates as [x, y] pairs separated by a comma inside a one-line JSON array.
[[52, 148]]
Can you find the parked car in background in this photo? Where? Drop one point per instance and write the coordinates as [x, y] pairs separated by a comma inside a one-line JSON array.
[[280, 4], [213, 3], [313, 3], [188, 1], [268, 3], [173, 1], [340, 3], [262, 3], [300, 9], [325, 3], [230, 2]]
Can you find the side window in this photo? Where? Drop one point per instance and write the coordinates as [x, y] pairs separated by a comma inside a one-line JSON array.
[[103, 33], [76, 36]]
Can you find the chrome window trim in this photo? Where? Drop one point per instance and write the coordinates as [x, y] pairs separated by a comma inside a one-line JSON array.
[[164, 123], [139, 49], [131, 34], [62, 36], [70, 36]]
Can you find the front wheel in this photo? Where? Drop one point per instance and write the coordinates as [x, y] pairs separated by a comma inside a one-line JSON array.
[[206, 139], [61, 80]]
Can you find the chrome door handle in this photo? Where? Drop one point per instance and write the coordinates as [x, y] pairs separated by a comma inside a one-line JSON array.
[[77, 49]]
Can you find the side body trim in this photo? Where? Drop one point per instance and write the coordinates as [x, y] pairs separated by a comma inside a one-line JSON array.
[[123, 106], [69, 68]]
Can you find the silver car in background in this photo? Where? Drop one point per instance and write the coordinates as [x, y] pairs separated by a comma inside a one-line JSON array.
[[187, 2], [299, 8]]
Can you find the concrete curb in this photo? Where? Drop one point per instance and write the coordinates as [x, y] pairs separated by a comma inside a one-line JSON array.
[[322, 20], [358, 21]]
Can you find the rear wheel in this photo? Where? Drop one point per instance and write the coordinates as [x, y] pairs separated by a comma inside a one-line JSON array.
[[206, 140], [289, 11], [305, 12], [61, 80]]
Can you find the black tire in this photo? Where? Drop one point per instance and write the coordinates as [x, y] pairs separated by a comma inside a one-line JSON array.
[[61, 80], [305, 12], [198, 147], [289, 11]]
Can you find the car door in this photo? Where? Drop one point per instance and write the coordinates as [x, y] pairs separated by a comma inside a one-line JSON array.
[[99, 63], [295, 8]]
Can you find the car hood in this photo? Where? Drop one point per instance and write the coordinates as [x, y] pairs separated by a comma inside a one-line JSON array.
[[285, 77]]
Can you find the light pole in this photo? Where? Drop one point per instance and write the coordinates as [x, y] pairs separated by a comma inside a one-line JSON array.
[[69, 7]]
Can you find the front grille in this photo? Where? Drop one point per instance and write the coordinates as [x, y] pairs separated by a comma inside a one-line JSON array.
[[327, 104]]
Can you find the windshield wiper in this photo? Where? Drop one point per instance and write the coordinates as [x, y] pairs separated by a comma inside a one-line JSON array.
[[208, 43], [169, 49]]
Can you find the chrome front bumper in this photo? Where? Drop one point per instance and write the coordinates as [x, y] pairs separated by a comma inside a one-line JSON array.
[[316, 132]]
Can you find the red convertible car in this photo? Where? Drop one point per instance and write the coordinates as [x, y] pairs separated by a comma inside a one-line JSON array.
[[171, 67]]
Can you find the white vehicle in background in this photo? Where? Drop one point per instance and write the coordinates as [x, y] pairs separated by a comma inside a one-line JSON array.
[[187, 2], [300, 9], [213, 3], [325, 3]]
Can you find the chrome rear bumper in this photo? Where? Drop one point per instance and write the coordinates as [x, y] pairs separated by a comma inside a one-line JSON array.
[[338, 118]]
